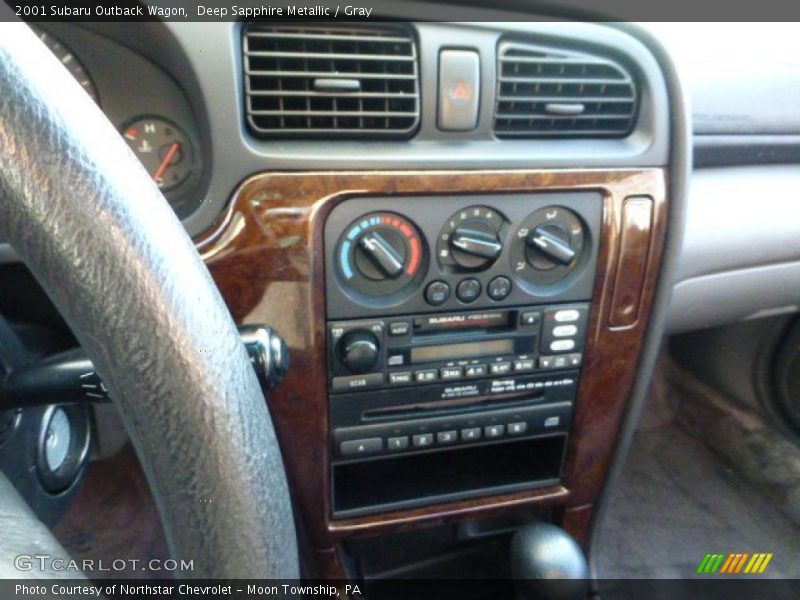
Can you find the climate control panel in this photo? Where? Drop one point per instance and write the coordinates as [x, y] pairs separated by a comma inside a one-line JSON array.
[[403, 255]]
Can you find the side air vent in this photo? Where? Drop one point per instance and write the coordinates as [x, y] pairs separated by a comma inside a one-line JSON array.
[[325, 81], [544, 92]]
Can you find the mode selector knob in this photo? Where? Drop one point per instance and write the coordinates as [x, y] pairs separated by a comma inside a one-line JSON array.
[[358, 350], [549, 245]]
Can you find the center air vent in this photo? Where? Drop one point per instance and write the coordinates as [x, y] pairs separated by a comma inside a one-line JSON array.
[[323, 81], [544, 92]]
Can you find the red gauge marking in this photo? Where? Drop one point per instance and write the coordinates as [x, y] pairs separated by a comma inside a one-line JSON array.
[[173, 150], [413, 262]]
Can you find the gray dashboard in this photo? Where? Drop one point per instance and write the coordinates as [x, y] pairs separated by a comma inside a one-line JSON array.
[[743, 225], [741, 252], [244, 155]]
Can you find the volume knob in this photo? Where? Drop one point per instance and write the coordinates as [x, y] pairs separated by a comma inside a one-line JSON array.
[[358, 350]]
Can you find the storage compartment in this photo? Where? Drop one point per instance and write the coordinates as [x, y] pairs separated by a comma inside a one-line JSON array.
[[444, 475]]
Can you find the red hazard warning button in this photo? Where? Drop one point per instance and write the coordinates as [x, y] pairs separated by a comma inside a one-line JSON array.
[[459, 84]]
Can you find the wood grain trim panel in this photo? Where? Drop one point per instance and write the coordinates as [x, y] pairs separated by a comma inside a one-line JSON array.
[[266, 256]]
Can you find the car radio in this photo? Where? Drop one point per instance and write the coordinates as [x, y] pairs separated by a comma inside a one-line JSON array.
[[453, 347], [407, 388]]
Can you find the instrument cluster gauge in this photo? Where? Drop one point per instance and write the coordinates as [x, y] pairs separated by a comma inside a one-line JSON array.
[[471, 239], [380, 255], [70, 62], [163, 148]]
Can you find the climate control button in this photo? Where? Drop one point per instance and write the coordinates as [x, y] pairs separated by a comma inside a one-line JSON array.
[[468, 290], [437, 293], [499, 288]]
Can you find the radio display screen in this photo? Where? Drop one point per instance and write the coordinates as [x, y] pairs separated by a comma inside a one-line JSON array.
[[423, 354]]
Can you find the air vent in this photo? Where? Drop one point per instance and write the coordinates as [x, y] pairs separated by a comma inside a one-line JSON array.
[[543, 92], [327, 81]]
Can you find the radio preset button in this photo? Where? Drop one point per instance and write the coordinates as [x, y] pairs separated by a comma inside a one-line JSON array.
[[500, 368], [569, 315], [499, 288], [422, 440], [437, 293], [561, 362], [517, 428], [468, 290], [451, 373], [494, 431], [401, 378], [399, 329], [564, 331], [356, 447], [562, 345], [530, 318], [447, 437], [356, 382], [425, 376], [524, 364], [555, 362], [471, 434], [475, 371], [397, 443]]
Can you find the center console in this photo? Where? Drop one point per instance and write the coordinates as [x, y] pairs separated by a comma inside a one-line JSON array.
[[455, 330], [464, 344]]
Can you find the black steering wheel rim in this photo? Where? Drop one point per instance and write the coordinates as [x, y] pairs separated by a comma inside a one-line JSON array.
[[95, 231]]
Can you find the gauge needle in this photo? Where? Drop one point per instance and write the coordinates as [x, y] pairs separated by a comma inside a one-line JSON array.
[[173, 150]]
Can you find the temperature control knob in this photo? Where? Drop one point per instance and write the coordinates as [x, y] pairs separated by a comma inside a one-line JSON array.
[[358, 350], [472, 239], [380, 255]]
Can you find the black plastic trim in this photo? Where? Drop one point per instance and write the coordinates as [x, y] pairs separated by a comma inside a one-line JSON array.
[[732, 150]]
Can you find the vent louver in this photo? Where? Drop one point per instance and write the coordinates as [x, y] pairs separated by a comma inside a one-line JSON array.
[[544, 92], [326, 81]]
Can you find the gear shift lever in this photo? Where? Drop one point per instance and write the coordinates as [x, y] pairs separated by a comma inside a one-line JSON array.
[[547, 563]]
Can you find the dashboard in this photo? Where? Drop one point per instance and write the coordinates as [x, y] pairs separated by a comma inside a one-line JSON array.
[[466, 233], [751, 137]]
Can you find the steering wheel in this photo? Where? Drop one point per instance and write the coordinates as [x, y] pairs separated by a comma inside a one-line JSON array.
[[85, 217]]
